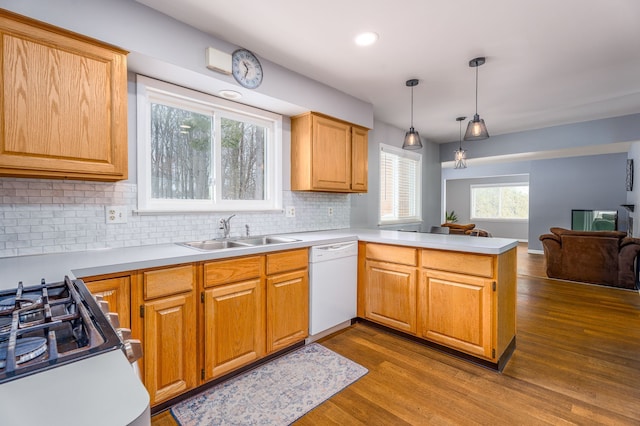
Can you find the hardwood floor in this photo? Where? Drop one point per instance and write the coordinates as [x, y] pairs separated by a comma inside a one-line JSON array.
[[577, 361]]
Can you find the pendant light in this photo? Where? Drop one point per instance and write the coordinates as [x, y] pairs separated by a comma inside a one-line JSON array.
[[476, 130], [460, 157], [412, 138]]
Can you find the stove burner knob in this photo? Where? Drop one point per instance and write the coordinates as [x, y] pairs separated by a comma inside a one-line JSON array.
[[123, 334], [114, 319], [133, 350], [104, 305]]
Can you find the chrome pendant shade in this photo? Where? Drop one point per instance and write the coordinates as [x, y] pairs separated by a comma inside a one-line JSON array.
[[460, 155], [476, 129], [412, 138]]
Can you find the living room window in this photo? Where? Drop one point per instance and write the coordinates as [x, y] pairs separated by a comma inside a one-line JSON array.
[[500, 202], [197, 152], [400, 185]]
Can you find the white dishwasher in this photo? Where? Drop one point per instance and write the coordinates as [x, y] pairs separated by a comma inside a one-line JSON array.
[[333, 270]]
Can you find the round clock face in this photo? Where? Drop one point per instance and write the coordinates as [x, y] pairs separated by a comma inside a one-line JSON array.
[[246, 68]]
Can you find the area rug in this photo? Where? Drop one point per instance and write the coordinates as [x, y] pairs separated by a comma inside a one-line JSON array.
[[276, 393]]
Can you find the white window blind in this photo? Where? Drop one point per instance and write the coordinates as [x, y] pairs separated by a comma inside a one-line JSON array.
[[400, 185]]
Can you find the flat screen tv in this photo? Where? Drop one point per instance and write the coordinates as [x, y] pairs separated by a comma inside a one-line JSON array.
[[594, 220]]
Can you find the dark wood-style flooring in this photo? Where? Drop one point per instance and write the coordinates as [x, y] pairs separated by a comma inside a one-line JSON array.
[[577, 361]]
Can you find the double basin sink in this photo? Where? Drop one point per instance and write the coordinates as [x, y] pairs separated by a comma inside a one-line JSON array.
[[210, 245]]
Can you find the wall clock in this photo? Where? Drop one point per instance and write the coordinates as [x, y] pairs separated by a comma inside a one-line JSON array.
[[246, 68], [629, 175]]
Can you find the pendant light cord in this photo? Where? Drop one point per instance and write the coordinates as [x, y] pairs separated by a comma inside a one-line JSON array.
[[477, 88], [412, 107], [460, 138]]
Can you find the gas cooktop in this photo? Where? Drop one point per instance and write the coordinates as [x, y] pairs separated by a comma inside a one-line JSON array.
[[48, 325]]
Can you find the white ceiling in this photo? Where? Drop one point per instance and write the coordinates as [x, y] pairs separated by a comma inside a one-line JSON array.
[[549, 62]]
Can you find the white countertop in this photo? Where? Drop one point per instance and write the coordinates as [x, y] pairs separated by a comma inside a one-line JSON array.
[[53, 267]]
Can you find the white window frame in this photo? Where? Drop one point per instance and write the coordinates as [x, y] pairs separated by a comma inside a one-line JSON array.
[[494, 219], [418, 185], [150, 90]]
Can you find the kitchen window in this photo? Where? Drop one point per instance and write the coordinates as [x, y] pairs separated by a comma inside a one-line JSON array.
[[400, 186], [197, 152], [500, 202]]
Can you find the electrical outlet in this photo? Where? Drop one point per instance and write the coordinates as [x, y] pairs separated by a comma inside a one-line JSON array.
[[330, 211], [116, 214], [290, 211]]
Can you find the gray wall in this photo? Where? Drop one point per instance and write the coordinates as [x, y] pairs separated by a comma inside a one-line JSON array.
[[578, 135], [558, 186], [364, 207], [458, 198], [633, 197], [577, 180]]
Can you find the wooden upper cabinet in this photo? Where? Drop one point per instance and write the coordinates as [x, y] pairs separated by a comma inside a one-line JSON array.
[[64, 103], [327, 154]]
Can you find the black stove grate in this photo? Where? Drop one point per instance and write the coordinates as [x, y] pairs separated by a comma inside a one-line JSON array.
[[48, 325]]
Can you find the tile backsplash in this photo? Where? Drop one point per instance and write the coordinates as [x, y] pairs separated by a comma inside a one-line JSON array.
[[50, 216]]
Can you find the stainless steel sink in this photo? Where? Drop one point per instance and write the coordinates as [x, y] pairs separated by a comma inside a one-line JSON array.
[[261, 241], [210, 245]]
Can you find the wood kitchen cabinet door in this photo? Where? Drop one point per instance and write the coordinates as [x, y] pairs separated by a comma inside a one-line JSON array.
[[359, 159], [331, 154], [64, 109], [169, 345], [457, 311], [233, 326], [287, 309], [390, 295], [116, 292]]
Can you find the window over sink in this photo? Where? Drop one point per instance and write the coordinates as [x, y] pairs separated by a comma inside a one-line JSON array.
[[197, 152]]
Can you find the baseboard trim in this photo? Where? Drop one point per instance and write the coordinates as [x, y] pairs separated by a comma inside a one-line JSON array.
[[530, 251]]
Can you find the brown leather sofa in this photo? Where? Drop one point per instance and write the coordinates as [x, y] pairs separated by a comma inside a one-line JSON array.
[[599, 257]]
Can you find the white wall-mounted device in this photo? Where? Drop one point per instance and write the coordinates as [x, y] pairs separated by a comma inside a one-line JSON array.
[[218, 61]]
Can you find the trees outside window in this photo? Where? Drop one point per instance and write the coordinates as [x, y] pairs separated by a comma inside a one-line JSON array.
[[503, 202]]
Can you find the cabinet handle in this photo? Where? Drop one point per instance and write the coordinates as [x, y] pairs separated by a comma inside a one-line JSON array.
[[141, 311], [494, 286]]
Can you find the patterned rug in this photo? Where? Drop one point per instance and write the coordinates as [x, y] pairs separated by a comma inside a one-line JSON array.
[[276, 393]]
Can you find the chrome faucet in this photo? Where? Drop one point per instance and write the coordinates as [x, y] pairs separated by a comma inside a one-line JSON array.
[[246, 228], [225, 225]]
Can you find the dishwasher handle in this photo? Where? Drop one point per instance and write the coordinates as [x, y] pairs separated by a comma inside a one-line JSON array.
[[333, 251]]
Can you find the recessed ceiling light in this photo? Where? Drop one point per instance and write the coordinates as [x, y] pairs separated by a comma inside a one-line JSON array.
[[230, 94], [366, 38]]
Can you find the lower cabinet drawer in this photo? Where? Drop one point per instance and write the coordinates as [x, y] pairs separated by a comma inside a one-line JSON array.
[[168, 281], [481, 265]]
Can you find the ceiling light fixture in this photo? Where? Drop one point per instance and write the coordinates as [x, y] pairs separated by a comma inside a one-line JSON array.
[[476, 130], [230, 94], [460, 157], [412, 138], [366, 38]]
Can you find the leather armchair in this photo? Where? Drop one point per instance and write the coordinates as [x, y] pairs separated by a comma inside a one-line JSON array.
[[598, 257]]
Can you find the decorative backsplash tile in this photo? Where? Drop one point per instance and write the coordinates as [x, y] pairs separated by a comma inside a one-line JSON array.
[[49, 216]]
